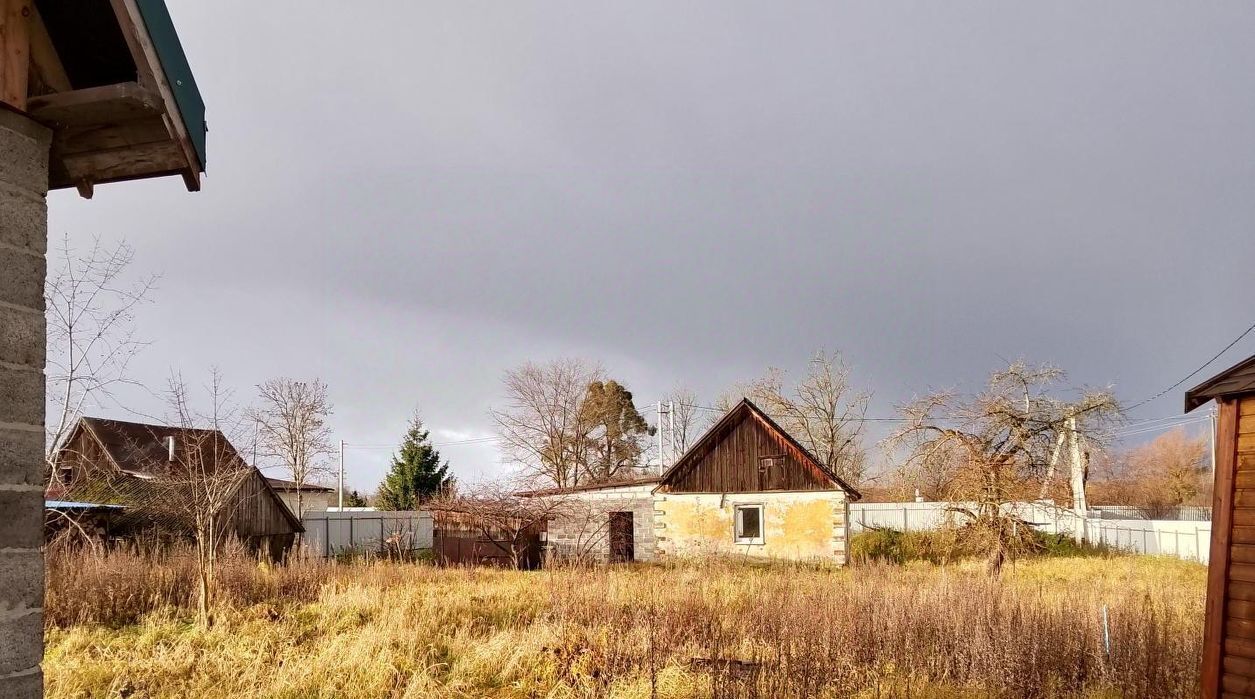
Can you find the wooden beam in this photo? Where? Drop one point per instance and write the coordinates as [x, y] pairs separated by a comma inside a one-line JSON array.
[[45, 63], [14, 52], [96, 105], [122, 163], [1221, 543]]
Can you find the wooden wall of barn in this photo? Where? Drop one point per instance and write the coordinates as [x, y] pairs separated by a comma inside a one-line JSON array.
[[733, 461], [258, 511], [1229, 636]]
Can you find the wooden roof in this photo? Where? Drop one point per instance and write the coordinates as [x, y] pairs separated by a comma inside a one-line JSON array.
[[110, 78], [135, 451], [1239, 378], [807, 469]]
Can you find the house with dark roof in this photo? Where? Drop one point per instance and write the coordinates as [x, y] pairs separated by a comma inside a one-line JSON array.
[[129, 466], [313, 497], [745, 487]]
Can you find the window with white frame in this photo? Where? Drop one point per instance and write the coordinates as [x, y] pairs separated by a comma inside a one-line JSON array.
[[749, 524]]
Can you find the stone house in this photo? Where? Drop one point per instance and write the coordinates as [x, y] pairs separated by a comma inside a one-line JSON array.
[[746, 487]]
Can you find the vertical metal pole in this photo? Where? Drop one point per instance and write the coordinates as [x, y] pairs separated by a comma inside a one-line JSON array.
[[662, 464], [1213, 442], [671, 429], [340, 491]]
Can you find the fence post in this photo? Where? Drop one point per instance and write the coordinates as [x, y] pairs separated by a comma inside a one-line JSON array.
[[381, 537], [1177, 533], [326, 539], [906, 522], [352, 538]]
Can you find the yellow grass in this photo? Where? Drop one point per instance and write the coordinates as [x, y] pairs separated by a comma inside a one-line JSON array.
[[715, 629]]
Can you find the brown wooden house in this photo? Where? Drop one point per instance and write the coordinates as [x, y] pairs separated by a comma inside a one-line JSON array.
[[114, 462], [1229, 634]]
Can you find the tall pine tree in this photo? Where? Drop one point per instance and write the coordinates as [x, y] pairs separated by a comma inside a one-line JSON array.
[[416, 475]]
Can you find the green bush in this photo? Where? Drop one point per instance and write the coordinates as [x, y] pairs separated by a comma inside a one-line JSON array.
[[941, 546], [893, 546]]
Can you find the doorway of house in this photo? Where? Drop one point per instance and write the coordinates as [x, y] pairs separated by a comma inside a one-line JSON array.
[[622, 542]]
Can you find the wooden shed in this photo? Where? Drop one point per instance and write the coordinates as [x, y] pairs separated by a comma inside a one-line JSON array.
[[116, 462], [1229, 635]]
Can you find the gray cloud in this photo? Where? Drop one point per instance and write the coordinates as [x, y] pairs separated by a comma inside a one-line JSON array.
[[691, 193]]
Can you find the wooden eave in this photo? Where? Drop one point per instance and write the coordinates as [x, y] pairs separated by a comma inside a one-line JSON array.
[[738, 412], [1237, 379], [96, 77]]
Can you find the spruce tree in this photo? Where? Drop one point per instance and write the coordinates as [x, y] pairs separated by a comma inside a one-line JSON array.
[[416, 475]]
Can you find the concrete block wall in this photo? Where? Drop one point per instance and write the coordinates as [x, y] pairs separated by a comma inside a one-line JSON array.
[[23, 243], [796, 525], [583, 528]]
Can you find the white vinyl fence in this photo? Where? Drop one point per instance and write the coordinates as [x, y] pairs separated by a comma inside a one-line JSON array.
[[1185, 539], [330, 533]]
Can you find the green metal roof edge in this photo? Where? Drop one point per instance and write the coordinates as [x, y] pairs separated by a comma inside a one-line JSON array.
[[179, 76]]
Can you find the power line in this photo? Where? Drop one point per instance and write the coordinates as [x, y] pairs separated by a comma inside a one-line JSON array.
[[1192, 373]]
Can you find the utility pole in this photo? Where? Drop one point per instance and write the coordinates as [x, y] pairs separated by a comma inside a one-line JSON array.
[[340, 490], [671, 429], [662, 465], [1079, 506]]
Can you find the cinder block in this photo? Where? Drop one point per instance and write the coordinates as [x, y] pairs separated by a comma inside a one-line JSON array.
[[22, 336], [21, 396], [23, 687], [21, 457], [21, 642], [24, 152], [22, 283], [21, 580], [23, 218], [22, 526]]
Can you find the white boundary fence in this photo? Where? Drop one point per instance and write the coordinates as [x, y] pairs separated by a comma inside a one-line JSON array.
[[1185, 539], [330, 533]]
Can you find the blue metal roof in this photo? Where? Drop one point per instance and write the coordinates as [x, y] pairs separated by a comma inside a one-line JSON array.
[[75, 505]]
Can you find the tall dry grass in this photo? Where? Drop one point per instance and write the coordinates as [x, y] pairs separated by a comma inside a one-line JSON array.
[[719, 629]]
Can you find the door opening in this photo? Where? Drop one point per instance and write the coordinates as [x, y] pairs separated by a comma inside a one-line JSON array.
[[622, 540]]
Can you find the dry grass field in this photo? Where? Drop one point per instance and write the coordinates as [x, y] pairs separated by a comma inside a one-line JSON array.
[[122, 627]]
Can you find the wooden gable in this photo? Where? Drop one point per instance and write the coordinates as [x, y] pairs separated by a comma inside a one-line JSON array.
[[747, 452]]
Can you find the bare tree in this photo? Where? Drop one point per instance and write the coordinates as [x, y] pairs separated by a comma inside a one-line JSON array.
[[1156, 477], [497, 514], [199, 483], [543, 425], [998, 444], [292, 427], [823, 412], [90, 310]]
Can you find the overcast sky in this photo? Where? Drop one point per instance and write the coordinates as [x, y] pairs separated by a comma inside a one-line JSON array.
[[406, 199]]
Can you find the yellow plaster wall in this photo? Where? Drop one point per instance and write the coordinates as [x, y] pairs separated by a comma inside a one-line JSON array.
[[798, 526]]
